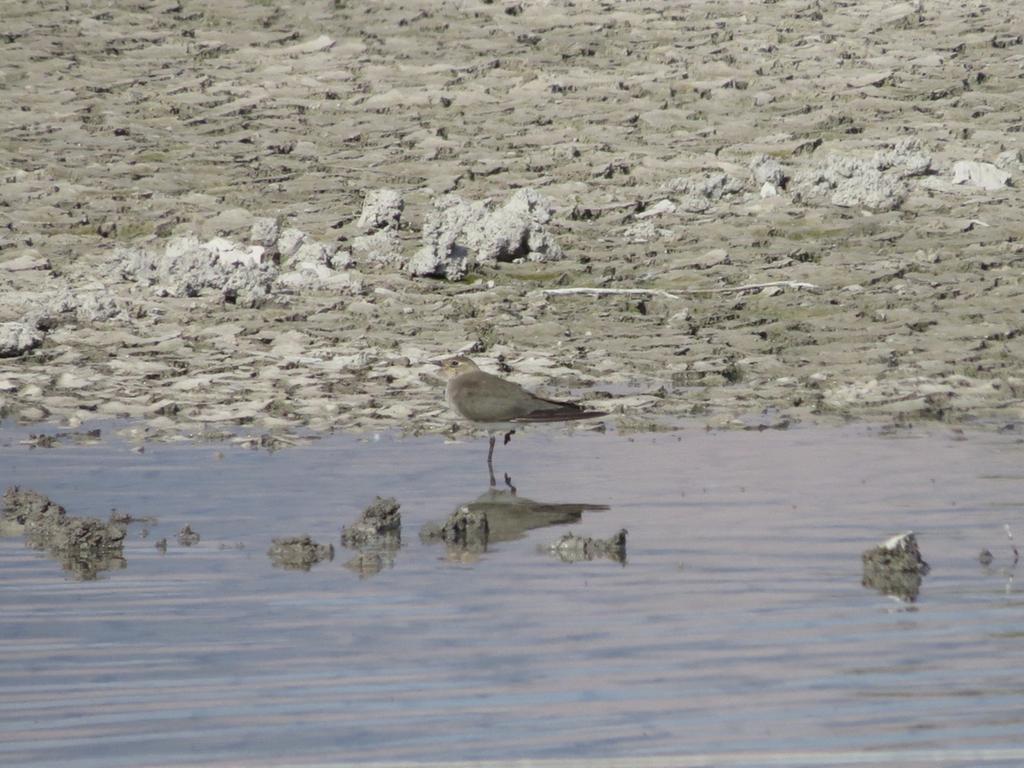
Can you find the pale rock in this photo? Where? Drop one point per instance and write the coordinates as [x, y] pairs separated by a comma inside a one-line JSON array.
[[83, 306], [289, 242], [460, 235], [870, 189], [265, 232], [309, 276], [982, 175], [18, 338], [515, 229], [442, 255], [851, 182], [316, 45], [767, 169], [679, 319], [660, 208], [230, 253], [640, 232], [382, 209], [898, 16], [71, 380], [695, 204], [312, 264], [699, 191], [1010, 159], [869, 79], [906, 158], [357, 361], [713, 258], [242, 274], [28, 260], [314, 252], [382, 248]]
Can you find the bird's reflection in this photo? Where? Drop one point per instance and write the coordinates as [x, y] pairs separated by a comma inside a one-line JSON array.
[[499, 515], [510, 516]]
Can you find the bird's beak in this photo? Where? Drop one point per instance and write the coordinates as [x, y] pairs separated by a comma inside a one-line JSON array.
[[438, 363]]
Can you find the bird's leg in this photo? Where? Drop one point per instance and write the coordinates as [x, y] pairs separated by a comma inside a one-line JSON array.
[[508, 482], [490, 461], [508, 436]]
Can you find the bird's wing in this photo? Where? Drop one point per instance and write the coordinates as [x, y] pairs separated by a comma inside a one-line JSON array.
[[484, 397], [556, 410]]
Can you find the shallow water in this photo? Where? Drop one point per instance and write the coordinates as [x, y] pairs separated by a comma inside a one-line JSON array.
[[737, 633]]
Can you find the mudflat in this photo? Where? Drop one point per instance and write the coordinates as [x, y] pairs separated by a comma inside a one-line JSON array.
[[274, 215]]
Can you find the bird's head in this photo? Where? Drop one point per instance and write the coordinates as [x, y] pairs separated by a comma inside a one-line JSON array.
[[456, 366]]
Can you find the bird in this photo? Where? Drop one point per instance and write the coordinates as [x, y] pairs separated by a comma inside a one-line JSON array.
[[489, 400]]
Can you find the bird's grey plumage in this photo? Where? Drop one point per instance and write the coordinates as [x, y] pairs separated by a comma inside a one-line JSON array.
[[482, 397]]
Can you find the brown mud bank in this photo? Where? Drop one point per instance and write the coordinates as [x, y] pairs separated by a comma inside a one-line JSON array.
[[84, 546], [274, 217]]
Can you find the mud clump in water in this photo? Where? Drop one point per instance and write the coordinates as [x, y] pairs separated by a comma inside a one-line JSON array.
[[895, 567], [465, 529], [377, 535], [298, 553], [89, 437], [573, 549], [84, 546], [187, 537], [381, 521]]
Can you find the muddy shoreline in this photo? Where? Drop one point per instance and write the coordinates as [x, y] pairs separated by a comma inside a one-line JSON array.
[[824, 204]]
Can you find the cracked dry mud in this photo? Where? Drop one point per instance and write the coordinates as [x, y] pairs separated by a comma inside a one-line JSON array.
[[865, 160]]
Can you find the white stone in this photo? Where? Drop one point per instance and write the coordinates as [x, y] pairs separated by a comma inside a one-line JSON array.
[[383, 247], [18, 338], [28, 260], [289, 242], [661, 207], [768, 169], [381, 209], [265, 231], [230, 253], [983, 175]]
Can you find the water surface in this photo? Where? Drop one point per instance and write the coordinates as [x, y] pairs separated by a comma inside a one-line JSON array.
[[737, 632]]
